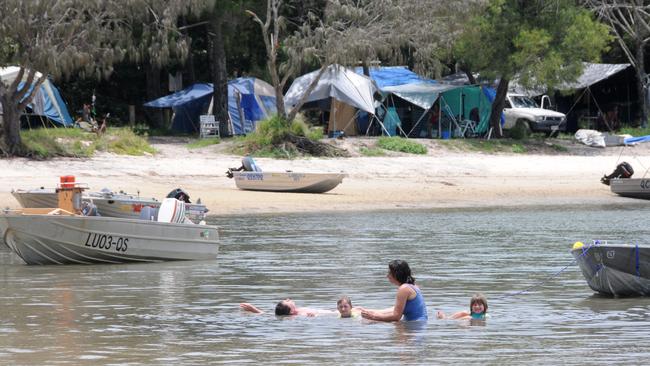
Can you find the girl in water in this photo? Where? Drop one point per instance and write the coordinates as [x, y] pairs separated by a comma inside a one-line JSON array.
[[409, 303], [477, 310]]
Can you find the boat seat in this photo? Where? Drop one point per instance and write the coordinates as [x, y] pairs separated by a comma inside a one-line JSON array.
[[171, 210], [149, 213]]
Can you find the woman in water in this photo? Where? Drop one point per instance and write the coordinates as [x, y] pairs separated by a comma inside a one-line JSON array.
[[477, 310], [409, 303]]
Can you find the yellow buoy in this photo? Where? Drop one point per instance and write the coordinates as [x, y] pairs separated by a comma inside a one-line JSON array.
[[578, 245]]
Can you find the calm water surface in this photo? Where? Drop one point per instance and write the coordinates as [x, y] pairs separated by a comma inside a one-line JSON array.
[[187, 312]]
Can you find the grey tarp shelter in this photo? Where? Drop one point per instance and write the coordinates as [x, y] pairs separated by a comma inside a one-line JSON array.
[[336, 82], [592, 74]]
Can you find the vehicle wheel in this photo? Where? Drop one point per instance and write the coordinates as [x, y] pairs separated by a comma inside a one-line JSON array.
[[521, 130]]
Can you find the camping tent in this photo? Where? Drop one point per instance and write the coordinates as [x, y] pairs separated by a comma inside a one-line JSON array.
[[342, 88], [336, 82], [457, 100], [251, 98], [188, 104], [47, 101]]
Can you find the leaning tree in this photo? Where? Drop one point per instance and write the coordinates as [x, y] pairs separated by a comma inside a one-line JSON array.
[[66, 38]]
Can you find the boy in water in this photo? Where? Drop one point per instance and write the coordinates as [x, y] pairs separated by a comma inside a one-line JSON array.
[[477, 310], [288, 307], [345, 309]]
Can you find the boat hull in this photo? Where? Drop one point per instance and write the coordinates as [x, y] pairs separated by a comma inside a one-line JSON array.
[[112, 205], [288, 181], [53, 239], [615, 269], [631, 187]]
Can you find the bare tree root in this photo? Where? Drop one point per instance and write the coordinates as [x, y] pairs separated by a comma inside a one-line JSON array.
[[315, 148]]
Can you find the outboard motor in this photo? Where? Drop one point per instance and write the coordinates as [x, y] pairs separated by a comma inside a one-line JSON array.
[[623, 170], [247, 165], [180, 195]]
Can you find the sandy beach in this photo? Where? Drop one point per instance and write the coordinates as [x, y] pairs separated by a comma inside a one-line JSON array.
[[443, 178]]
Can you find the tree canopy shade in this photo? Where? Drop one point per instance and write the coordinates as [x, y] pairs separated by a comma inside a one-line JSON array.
[[629, 21], [63, 38], [542, 42]]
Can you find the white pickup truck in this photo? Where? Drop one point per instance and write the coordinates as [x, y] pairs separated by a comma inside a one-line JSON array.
[[519, 107]]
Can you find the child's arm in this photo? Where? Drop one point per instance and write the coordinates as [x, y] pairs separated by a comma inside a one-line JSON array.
[[248, 307], [460, 315]]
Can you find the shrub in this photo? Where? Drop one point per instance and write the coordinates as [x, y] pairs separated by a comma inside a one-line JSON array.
[[401, 144]]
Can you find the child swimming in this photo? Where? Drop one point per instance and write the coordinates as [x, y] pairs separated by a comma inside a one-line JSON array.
[[345, 309], [477, 310]]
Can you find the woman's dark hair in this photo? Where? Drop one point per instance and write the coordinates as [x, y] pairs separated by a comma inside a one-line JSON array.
[[282, 309], [401, 271], [480, 298]]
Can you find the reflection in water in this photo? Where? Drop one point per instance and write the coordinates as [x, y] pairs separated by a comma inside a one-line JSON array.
[[187, 313]]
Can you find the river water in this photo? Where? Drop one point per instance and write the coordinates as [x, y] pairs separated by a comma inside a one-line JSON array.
[[187, 312]]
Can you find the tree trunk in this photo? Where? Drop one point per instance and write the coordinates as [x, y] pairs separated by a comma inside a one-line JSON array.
[[11, 143], [641, 83], [497, 107], [154, 91], [218, 72]]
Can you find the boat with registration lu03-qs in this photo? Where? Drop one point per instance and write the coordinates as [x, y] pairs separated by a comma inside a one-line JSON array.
[[614, 269], [63, 236]]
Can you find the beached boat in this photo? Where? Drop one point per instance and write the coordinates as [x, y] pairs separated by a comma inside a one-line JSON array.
[[108, 203], [620, 181], [288, 181], [631, 187], [615, 269], [250, 177]]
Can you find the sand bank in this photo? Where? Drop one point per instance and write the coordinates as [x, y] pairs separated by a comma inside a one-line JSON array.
[[441, 179]]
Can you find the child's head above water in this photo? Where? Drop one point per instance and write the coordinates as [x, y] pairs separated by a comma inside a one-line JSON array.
[[478, 306], [344, 306]]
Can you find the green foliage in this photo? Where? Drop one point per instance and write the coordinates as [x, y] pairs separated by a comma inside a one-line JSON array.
[[372, 151], [203, 143], [635, 131], [518, 149], [543, 43], [270, 137], [44, 143], [401, 144]]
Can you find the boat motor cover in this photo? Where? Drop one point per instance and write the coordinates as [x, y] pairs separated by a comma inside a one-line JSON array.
[[180, 195], [623, 170], [249, 165]]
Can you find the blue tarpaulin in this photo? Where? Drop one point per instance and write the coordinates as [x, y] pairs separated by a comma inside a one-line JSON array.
[[393, 75], [634, 140], [249, 97], [188, 104]]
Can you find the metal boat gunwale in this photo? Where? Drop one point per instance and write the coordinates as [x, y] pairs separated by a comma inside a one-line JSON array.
[[72, 227]]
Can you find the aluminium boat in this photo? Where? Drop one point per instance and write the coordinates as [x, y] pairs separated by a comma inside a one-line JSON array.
[[615, 269], [58, 236], [250, 177], [108, 203]]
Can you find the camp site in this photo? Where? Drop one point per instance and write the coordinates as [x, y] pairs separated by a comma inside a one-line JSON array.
[[359, 182]]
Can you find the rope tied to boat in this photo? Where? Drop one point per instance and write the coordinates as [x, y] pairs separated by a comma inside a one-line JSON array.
[[636, 250], [555, 274]]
